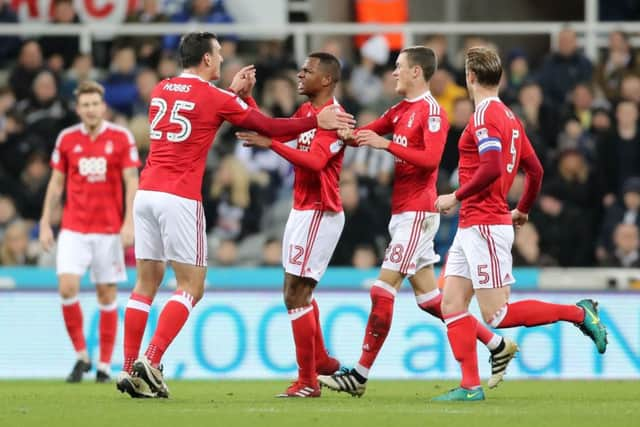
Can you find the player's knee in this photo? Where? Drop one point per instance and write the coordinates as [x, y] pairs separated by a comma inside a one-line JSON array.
[[106, 294], [493, 316]]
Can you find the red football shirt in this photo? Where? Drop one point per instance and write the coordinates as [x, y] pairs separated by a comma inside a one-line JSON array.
[[318, 190], [419, 124], [493, 126], [185, 113], [93, 169]]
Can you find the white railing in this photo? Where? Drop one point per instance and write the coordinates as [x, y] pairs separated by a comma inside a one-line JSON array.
[[591, 34]]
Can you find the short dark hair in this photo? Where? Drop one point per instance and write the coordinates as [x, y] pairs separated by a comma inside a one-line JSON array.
[[485, 63], [329, 63], [423, 57], [193, 46]]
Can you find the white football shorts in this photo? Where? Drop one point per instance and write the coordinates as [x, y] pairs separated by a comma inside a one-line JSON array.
[[482, 254], [102, 254], [310, 237], [169, 227], [411, 247]]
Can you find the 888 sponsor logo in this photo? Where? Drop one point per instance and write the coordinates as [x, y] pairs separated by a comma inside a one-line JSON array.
[[94, 168]]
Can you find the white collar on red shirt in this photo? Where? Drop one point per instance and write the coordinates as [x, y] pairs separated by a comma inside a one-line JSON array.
[[103, 127], [184, 74], [487, 100], [418, 98]]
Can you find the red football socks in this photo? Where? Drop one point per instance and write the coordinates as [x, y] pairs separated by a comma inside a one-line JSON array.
[[72, 314], [461, 331], [108, 327], [382, 299], [135, 322], [304, 327], [534, 313], [172, 318]]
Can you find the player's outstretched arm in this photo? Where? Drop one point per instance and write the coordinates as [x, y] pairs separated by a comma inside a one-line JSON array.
[[130, 178], [428, 158], [315, 159], [52, 199]]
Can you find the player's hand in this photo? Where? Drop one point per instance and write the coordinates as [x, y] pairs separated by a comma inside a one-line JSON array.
[[519, 218], [241, 83], [369, 138], [45, 236], [331, 117], [446, 202], [126, 234], [252, 139]]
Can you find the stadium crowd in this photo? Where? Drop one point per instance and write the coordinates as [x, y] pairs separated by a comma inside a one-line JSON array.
[[582, 118]]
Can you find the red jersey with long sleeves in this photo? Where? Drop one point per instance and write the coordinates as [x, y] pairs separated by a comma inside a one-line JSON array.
[[417, 124], [317, 189], [185, 113], [493, 126], [93, 169]]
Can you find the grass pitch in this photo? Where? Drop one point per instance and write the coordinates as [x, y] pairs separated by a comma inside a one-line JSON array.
[[386, 403]]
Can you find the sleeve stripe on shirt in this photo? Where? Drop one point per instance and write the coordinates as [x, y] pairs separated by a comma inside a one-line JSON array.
[[434, 107], [490, 144], [478, 116]]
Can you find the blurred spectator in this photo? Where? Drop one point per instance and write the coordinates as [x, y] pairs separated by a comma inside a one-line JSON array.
[[146, 80], [630, 88], [462, 111], [600, 123], [200, 11], [33, 185], [148, 48], [517, 74], [45, 113], [15, 244], [618, 60], [562, 235], [8, 213], [366, 84], [579, 106], [538, 118], [626, 252], [60, 51], [273, 60], [9, 45], [272, 253], [388, 97], [618, 153], [526, 248], [226, 253], [361, 221], [564, 68], [168, 67], [574, 137], [445, 90], [28, 66], [366, 162], [81, 69], [120, 84], [625, 212], [364, 257], [279, 97], [335, 48], [233, 206], [15, 146], [439, 44]]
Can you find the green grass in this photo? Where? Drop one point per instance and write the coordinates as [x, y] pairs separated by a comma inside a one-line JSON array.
[[386, 403]]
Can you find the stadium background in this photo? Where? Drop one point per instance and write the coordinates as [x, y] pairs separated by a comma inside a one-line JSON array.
[[571, 74]]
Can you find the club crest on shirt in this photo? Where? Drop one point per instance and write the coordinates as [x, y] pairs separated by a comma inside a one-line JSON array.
[[434, 124], [482, 133], [108, 147], [77, 148], [413, 116]]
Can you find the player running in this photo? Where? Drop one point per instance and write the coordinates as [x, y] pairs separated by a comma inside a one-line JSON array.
[[185, 113], [90, 162], [419, 128], [492, 148], [315, 222]]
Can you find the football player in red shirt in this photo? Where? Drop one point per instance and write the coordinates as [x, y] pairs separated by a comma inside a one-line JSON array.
[[185, 113], [90, 162], [315, 222], [492, 148], [419, 128]]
